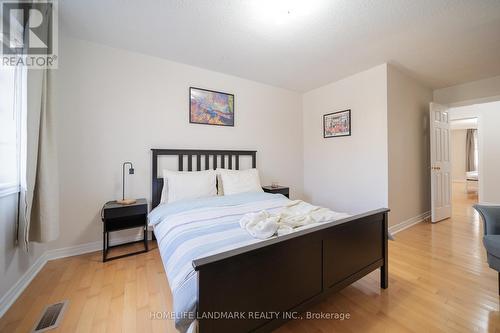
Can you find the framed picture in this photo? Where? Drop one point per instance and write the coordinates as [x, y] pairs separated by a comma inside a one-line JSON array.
[[337, 124], [211, 107]]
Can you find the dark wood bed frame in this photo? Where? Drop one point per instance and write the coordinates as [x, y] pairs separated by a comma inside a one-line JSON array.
[[272, 281]]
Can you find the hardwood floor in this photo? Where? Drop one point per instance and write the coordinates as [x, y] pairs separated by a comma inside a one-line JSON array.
[[438, 282]]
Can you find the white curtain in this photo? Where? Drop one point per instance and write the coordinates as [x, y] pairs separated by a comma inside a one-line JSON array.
[[41, 188]]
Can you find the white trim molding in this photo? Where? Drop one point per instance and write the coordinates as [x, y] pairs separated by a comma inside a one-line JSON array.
[[8, 190], [394, 229], [16, 290]]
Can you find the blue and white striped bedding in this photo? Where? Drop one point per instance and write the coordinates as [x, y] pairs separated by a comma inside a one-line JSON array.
[[192, 229]]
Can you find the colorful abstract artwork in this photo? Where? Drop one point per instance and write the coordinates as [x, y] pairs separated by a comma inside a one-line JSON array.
[[337, 124], [211, 107]]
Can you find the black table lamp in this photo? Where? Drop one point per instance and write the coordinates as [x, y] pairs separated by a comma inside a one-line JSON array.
[[124, 201]]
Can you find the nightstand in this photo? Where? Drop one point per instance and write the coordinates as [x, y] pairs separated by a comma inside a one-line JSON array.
[[280, 189], [120, 217]]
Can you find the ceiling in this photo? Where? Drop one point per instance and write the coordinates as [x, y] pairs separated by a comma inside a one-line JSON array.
[[301, 44]]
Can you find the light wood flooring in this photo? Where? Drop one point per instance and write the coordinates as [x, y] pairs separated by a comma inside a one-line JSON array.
[[438, 282]]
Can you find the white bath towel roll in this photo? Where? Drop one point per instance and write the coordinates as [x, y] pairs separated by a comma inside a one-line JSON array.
[[296, 214], [260, 225]]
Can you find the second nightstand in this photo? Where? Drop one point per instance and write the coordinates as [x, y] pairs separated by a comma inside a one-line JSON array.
[[119, 217], [280, 189]]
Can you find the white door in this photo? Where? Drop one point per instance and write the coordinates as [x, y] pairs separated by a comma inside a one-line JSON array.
[[440, 163]]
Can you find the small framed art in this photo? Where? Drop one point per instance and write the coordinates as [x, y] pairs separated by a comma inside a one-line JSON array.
[[337, 124], [211, 107]]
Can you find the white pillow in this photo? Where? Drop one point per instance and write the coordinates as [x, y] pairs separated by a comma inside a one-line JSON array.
[[164, 192], [239, 181], [188, 185]]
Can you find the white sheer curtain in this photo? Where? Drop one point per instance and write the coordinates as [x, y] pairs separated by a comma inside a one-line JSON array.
[[13, 126]]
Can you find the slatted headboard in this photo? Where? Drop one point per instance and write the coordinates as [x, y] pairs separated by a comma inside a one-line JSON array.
[[210, 157]]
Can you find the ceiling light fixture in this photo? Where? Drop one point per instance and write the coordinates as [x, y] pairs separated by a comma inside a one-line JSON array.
[[281, 12]]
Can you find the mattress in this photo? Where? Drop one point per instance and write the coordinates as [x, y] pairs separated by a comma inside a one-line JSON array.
[[472, 175], [193, 229]]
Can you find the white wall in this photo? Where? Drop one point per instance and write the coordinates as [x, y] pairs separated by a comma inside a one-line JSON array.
[[408, 146], [348, 173], [489, 150], [488, 115], [14, 260], [387, 154], [458, 154], [115, 105], [481, 91]]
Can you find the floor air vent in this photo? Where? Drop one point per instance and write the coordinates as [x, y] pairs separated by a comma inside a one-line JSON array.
[[51, 317]]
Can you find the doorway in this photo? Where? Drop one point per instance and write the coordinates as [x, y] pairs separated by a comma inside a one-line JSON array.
[[464, 148], [464, 163]]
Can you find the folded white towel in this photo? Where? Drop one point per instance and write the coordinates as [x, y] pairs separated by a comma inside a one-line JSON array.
[[296, 214]]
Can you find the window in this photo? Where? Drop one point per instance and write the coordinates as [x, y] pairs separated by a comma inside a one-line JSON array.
[[11, 94], [12, 117]]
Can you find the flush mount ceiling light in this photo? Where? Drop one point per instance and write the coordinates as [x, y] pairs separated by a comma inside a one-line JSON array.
[[282, 12]]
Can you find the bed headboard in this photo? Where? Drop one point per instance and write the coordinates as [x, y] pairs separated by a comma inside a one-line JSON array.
[[209, 157]]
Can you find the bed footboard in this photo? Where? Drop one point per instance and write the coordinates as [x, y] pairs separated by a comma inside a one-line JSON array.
[[260, 286]]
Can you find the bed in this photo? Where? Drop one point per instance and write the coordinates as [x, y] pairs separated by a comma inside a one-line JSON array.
[[223, 280], [471, 181]]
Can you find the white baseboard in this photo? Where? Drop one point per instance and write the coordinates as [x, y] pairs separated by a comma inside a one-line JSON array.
[[89, 247], [410, 222], [15, 291]]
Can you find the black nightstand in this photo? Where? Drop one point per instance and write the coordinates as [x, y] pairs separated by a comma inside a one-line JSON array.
[[119, 217], [280, 189]]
